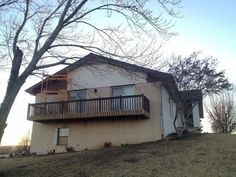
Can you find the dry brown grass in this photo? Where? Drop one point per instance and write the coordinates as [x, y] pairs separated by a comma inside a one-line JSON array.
[[206, 155]]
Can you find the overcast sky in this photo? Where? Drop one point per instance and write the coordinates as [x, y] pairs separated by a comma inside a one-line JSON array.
[[208, 26]]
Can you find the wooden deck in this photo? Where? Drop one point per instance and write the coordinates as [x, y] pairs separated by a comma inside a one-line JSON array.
[[124, 106]]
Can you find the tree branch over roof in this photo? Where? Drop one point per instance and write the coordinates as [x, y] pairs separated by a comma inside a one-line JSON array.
[[50, 65]]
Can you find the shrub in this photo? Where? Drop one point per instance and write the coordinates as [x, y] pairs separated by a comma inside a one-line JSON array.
[[51, 152], [107, 144], [23, 146], [70, 149]]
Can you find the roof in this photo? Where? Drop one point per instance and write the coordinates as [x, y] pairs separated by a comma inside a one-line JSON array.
[[191, 95], [153, 75]]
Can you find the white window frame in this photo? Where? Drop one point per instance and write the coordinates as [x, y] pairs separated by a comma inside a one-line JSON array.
[[62, 134]]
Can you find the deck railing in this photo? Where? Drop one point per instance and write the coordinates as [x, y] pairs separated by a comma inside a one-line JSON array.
[[110, 106]]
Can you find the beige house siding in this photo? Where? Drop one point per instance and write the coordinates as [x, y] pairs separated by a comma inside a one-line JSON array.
[[103, 75], [168, 112], [40, 98], [61, 95], [99, 92], [93, 134]]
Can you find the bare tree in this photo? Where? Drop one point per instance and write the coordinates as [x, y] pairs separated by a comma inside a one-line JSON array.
[[42, 34], [221, 111], [24, 143]]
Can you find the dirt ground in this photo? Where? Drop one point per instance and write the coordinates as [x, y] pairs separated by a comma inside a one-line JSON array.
[[206, 155]]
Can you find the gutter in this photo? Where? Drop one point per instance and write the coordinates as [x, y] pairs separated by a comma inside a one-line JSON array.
[[161, 114]]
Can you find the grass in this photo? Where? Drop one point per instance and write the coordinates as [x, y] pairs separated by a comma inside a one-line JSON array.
[[206, 155]]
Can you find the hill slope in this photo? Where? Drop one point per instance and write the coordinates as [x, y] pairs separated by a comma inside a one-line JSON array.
[[207, 155]]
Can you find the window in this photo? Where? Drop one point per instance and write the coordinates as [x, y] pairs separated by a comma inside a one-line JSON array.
[[123, 103], [78, 94], [123, 90], [62, 136]]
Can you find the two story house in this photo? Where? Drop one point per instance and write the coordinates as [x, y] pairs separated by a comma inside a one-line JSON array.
[[97, 100]]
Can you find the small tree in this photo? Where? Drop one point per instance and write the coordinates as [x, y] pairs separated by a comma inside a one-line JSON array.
[[221, 111], [194, 73], [24, 144]]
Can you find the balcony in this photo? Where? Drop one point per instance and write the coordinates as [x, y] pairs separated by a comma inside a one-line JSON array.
[[136, 106]]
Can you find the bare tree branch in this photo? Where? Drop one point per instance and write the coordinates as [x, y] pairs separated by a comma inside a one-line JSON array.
[[50, 65], [7, 3], [21, 27]]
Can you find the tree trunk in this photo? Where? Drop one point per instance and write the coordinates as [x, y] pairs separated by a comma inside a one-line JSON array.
[[178, 113], [7, 103], [14, 84]]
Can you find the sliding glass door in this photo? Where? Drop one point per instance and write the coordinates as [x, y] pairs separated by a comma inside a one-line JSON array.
[[121, 103], [75, 95]]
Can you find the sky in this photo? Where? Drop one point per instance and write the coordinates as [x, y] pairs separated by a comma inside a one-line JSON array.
[[208, 26]]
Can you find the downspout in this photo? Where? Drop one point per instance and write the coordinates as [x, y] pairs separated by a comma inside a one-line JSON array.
[[161, 114]]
